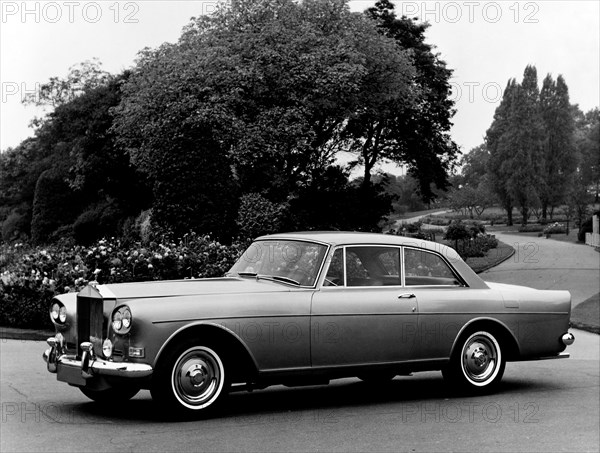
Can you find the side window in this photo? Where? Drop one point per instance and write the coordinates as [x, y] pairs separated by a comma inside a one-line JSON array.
[[426, 268], [373, 266], [335, 273], [356, 272]]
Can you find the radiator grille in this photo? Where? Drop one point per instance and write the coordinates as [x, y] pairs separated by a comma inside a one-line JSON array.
[[90, 319]]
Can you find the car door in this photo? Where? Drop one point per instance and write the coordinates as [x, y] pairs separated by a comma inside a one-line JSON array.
[[446, 303], [362, 314]]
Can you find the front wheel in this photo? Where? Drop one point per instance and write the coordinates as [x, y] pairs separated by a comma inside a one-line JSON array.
[[478, 364], [192, 379]]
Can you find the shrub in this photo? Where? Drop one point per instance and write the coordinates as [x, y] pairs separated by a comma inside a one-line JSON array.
[[31, 276], [531, 228], [457, 231], [555, 228]]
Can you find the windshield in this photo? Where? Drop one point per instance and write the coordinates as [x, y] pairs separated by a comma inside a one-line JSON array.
[[295, 262]]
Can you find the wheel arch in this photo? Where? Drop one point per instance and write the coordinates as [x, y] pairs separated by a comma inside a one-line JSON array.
[[244, 366], [505, 336]]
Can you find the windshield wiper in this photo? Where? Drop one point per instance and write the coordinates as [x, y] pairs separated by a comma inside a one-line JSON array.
[[282, 279], [268, 277]]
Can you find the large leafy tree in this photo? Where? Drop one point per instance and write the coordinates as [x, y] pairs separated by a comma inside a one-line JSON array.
[[412, 129], [264, 88]]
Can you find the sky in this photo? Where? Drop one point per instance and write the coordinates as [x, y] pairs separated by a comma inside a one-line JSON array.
[[485, 43]]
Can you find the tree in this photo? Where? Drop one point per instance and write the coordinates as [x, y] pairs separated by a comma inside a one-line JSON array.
[[474, 166], [81, 78], [20, 168], [515, 143], [76, 154], [499, 153], [414, 132], [262, 87], [559, 152], [587, 142]]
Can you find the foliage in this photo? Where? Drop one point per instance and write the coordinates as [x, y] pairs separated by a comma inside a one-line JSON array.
[[31, 276], [543, 151], [587, 143], [331, 202], [255, 99], [473, 200], [522, 144], [498, 154], [258, 216], [555, 228], [559, 153], [405, 191], [77, 157], [53, 205], [531, 228], [477, 247], [469, 239], [457, 231], [81, 78], [415, 133]]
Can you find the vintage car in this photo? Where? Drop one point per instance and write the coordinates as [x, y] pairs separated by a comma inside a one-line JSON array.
[[303, 308]]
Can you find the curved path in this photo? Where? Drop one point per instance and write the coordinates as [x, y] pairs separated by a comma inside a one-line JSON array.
[[547, 264]]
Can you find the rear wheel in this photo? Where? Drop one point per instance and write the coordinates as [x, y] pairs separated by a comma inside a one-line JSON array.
[[192, 379], [111, 395], [477, 364]]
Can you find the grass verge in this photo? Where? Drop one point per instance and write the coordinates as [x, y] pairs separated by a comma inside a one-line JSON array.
[[586, 315], [492, 258]]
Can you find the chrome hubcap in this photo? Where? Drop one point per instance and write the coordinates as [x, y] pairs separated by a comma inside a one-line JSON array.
[[479, 358], [198, 377]]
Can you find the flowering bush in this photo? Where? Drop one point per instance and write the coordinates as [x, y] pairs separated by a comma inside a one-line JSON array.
[[31, 276], [555, 228]]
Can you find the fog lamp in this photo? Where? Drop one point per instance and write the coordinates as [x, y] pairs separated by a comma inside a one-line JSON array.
[[107, 348]]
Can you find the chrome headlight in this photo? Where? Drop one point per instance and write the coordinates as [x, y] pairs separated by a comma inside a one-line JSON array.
[[62, 314], [122, 320]]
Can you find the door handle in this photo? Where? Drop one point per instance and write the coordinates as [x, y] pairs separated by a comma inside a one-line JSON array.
[[406, 296]]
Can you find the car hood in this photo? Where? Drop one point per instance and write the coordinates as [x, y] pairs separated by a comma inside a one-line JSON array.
[[196, 287]]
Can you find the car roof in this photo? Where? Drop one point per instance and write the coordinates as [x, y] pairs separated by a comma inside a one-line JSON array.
[[354, 237]]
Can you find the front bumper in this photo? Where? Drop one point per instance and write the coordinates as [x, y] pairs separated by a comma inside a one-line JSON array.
[[74, 371]]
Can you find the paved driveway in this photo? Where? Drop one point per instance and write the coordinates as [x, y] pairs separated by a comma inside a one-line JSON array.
[[547, 264]]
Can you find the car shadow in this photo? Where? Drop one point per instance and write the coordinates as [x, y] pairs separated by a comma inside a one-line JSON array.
[[340, 395]]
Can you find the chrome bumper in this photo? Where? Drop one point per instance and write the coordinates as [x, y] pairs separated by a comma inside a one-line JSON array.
[[89, 365]]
